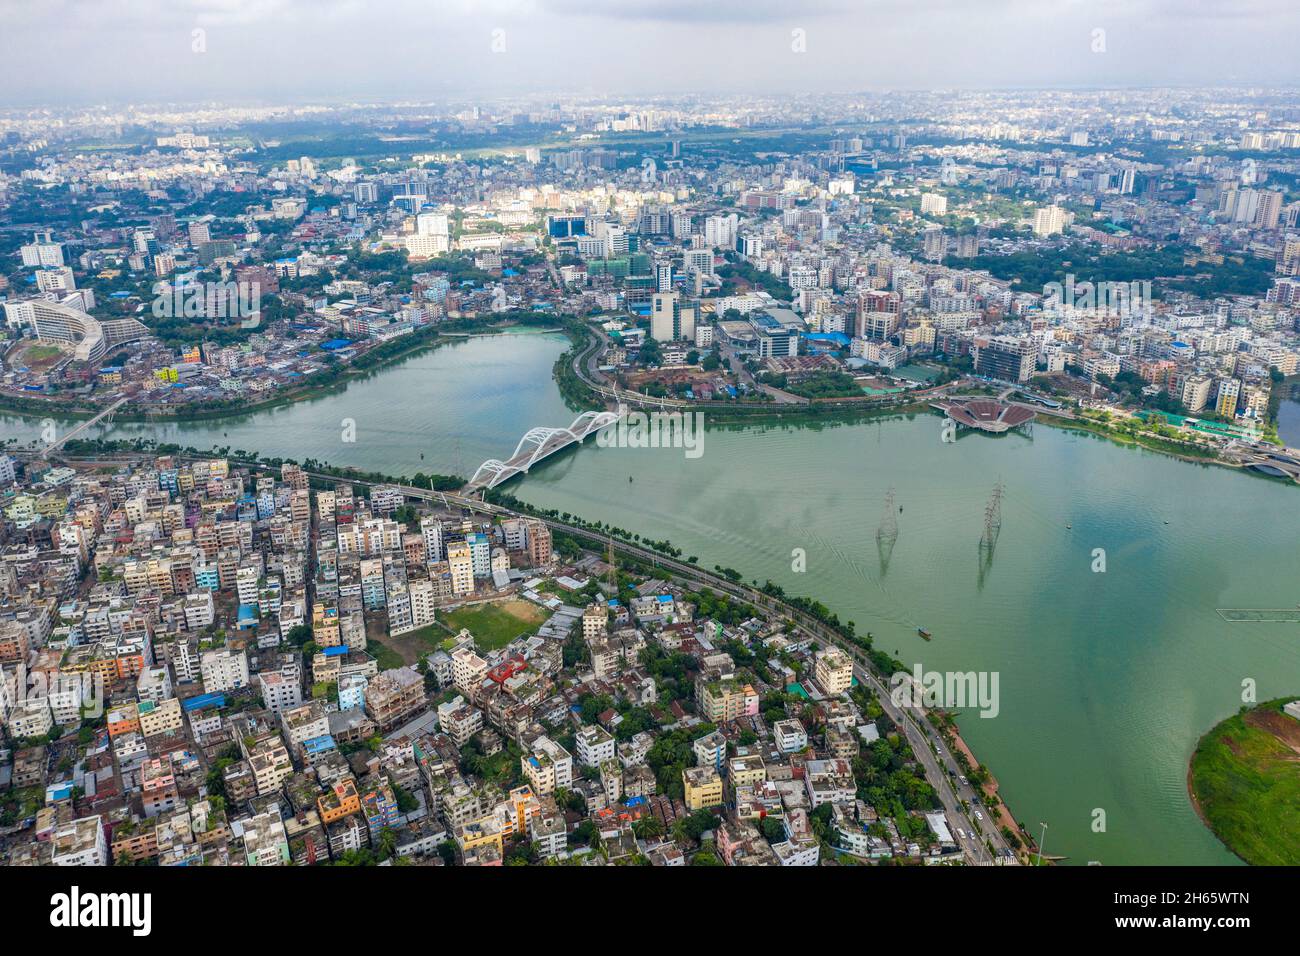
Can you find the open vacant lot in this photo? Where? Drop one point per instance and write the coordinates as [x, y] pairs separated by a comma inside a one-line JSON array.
[[497, 624], [38, 357]]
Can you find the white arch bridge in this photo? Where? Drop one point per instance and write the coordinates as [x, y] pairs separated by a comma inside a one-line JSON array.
[[538, 443]]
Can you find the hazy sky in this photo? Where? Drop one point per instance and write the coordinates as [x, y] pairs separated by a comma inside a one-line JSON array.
[[277, 50]]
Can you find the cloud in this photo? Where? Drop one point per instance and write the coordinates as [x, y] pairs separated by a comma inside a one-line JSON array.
[[273, 50], [700, 11]]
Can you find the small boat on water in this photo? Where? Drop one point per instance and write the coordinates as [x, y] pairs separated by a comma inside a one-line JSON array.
[[923, 632]]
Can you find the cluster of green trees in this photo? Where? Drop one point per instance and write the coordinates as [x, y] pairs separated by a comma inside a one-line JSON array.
[[670, 754], [1164, 266], [826, 384], [737, 268], [502, 769], [1129, 386], [600, 528], [674, 674]]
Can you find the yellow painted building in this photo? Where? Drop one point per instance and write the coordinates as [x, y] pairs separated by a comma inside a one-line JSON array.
[[703, 787]]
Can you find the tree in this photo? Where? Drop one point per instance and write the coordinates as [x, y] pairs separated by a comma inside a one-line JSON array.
[[387, 843], [406, 802], [647, 828], [773, 830]]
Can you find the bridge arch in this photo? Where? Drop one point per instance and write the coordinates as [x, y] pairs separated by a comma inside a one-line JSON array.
[[536, 444]]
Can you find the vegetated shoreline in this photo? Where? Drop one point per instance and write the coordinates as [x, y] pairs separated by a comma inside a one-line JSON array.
[[855, 414], [54, 408], [1208, 737], [572, 388], [848, 412]]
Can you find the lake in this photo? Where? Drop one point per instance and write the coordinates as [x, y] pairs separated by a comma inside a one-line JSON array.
[[1107, 678]]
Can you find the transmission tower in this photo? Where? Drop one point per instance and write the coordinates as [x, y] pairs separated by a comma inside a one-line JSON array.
[[992, 520], [888, 530], [887, 533], [613, 573]]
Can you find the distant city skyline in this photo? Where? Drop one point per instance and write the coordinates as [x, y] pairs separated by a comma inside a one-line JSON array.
[[81, 51]]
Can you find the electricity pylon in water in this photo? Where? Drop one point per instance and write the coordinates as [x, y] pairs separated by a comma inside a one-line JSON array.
[[992, 520], [887, 532]]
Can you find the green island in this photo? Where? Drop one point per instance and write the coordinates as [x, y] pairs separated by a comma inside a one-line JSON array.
[[1244, 780]]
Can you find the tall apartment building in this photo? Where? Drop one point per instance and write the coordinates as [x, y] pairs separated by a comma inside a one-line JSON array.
[[467, 671], [1225, 403], [549, 767], [595, 621], [670, 319], [1195, 392], [702, 786], [833, 671], [727, 700], [424, 602], [265, 842], [42, 252], [539, 544], [223, 670], [594, 745], [1004, 358], [279, 692], [460, 562], [480, 551], [1051, 221], [431, 529]]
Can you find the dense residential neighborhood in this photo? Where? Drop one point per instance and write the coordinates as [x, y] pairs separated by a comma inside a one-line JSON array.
[[206, 664], [1136, 272]]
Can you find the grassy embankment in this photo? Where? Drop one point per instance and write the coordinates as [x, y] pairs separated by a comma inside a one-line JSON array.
[[1244, 780]]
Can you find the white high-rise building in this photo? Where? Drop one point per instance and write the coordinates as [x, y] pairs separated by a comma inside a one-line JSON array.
[[431, 529], [1051, 220], [670, 320], [223, 670], [720, 231], [42, 252], [430, 223], [933, 203]]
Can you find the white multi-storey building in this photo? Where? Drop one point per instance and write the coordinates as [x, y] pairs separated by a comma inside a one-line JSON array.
[[594, 746], [223, 670]]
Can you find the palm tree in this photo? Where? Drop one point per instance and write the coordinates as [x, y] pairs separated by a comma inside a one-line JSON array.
[[647, 828], [387, 843]]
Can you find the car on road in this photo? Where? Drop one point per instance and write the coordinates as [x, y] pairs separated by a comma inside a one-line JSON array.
[[964, 781], [979, 816]]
